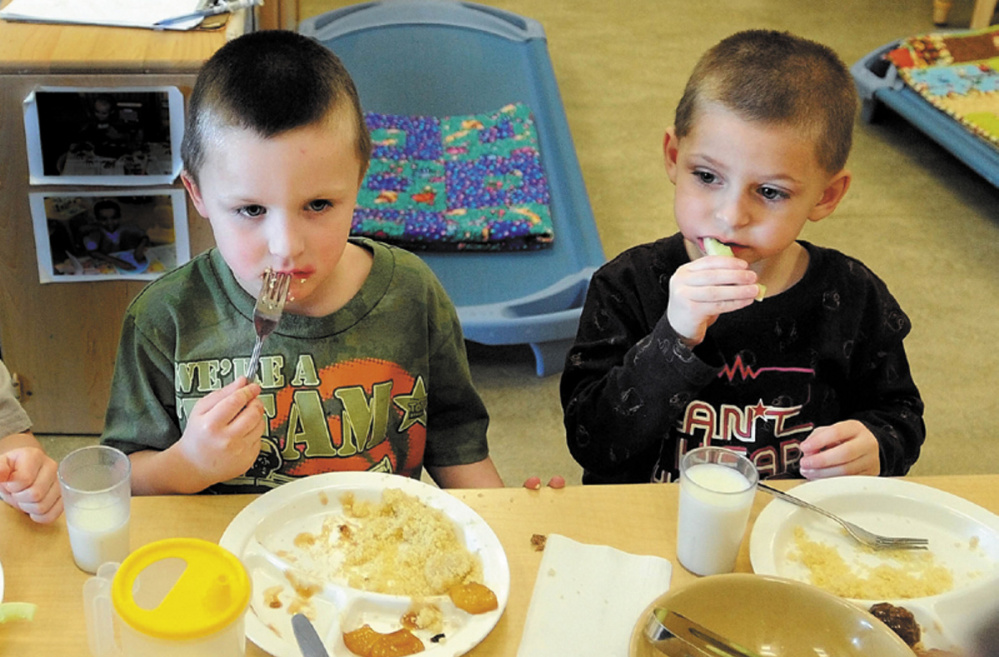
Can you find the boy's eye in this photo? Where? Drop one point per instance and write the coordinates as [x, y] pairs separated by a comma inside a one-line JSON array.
[[705, 177], [319, 205], [773, 194], [252, 210]]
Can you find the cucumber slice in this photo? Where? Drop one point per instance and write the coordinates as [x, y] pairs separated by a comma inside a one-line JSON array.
[[12, 611], [714, 247]]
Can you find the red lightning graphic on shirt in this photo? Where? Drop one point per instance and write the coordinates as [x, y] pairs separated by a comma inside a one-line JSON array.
[[746, 372]]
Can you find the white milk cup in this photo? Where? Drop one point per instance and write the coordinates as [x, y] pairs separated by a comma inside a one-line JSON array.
[[97, 492], [717, 486], [179, 597]]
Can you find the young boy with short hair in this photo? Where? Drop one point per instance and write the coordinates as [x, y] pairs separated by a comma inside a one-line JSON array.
[[673, 349], [367, 368]]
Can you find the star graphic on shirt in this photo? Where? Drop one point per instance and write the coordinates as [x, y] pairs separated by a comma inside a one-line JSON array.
[[414, 405], [760, 410]]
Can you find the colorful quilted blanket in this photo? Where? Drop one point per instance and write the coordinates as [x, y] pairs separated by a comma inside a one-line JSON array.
[[470, 182], [957, 73]]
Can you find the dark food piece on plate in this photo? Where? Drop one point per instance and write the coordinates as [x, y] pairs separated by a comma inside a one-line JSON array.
[[900, 620]]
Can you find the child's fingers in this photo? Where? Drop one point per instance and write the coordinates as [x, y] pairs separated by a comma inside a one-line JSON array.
[[837, 467], [846, 447], [534, 483], [42, 503], [23, 466], [717, 262], [214, 398], [820, 439], [249, 421], [50, 514], [231, 402]]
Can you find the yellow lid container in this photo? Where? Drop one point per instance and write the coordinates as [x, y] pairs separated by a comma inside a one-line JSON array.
[[180, 589]]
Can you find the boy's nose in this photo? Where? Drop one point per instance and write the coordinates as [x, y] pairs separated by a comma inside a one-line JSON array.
[[285, 240], [732, 213]]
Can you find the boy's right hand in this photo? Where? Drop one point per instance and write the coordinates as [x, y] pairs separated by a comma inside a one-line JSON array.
[[222, 437], [703, 289]]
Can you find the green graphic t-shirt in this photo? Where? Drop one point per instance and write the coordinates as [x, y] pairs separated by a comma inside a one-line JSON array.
[[382, 384]]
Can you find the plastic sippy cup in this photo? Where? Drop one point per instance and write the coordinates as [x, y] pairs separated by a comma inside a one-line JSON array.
[[179, 597]]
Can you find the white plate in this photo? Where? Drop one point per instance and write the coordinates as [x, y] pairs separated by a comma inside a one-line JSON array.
[[300, 506], [963, 536]]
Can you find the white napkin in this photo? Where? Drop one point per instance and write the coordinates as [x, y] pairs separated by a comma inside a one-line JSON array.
[[587, 599]]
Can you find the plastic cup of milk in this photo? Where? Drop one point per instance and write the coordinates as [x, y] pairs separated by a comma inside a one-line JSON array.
[[96, 492], [717, 486]]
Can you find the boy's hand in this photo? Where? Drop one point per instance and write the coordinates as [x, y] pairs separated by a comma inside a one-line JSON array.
[[29, 483], [701, 290], [844, 448], [222, 438]]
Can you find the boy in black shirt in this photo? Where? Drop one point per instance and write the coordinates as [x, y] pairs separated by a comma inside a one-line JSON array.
[[674, 352]]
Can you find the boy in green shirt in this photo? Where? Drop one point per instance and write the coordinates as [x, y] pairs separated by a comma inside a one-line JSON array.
[[367, 368]]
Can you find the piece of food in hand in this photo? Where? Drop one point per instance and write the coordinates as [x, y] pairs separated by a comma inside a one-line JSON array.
[[900, 620], [366, 642], [473, 597], [17, 611], [715, 248]]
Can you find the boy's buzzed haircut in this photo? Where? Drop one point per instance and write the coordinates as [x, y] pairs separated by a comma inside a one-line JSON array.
[[269, 82], [776, 77]]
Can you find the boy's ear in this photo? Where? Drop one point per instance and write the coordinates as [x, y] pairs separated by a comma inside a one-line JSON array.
[[831, 196], [671, 145], [194, 191]]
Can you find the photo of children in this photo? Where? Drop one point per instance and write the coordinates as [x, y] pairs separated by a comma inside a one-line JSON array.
[[103, 136], [96, 236]]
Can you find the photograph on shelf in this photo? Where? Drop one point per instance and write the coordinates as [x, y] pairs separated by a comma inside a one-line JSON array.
[[109, 235], [110, 136]]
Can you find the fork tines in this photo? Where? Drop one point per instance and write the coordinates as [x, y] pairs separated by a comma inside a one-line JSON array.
[[274, 291]]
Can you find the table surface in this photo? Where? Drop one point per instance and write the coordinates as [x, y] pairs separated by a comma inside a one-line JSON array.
[[641, 519]]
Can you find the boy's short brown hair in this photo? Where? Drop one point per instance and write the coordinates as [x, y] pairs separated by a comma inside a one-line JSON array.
[[269, 82], [779, 78]]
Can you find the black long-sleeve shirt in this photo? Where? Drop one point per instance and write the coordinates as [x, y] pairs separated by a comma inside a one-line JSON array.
[[827, 349]]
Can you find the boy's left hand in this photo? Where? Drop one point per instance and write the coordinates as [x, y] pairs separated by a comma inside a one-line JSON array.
[[844, 448], [29, 483]]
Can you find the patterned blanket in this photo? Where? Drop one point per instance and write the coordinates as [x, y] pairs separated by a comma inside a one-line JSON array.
[[471, 182], [957, 73]]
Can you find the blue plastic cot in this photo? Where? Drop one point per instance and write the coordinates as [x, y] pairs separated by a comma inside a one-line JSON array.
[[878, 83], [444, 58]]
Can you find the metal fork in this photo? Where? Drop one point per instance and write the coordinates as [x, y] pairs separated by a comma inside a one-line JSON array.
[[870, 539], [267, 312]]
